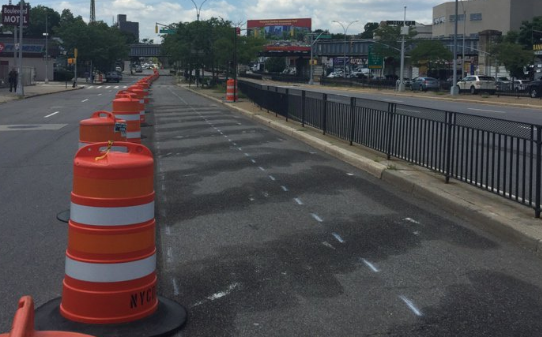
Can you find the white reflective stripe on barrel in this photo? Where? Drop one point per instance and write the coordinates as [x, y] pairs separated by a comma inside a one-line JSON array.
[[130, 117], [111, 216], [110, 272], [135, 134], [113, 148]]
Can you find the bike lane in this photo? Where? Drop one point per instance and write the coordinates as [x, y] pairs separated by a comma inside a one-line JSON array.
[[261, 235]]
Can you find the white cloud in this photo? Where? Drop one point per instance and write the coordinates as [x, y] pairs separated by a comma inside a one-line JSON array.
[[322, 12]]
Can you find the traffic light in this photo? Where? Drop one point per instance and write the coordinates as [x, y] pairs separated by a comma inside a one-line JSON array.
[[237, 31], [156, 29]]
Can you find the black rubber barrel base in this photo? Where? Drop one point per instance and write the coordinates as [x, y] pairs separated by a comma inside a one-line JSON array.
[[63, 216], [168, 318]]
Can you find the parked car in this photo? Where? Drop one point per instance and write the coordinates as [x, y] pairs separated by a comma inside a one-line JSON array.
[[406, 81], [535, 88], [520, 85], [503, 84], [476, 83], [138, 69], [112, 76], [424, 83], [334, 75]]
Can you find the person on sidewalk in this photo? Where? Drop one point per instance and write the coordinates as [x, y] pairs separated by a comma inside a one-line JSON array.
[[12, 78]]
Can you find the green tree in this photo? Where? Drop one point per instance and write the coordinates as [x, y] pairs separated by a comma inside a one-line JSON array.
[[430, 52], [275, 64], [39, 15], [369, 30], [96, 42], [387, 43], [512, 54]]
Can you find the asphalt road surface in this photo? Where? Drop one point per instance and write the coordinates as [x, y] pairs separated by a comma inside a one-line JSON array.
[[261, 235], [264, 236]]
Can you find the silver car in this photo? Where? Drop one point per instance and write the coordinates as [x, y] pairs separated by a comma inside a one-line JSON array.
[[424, 84]]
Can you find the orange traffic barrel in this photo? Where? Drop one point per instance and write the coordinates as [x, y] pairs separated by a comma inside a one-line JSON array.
[[129, 109], [133, 95], [141, 95], [109, 287], [102, 126], [23, 323], [111, 256], [231, 91]]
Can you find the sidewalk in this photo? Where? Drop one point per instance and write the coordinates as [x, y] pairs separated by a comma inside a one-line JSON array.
[[506, 219], [38, 89]]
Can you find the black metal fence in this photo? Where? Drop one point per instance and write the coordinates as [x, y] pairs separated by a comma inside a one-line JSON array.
[[499, 156]]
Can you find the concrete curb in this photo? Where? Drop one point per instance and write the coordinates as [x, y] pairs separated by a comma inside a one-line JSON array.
[[15, 98], [515, 225]]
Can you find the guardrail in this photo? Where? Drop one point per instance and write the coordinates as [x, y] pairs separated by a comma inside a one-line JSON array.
[[499, 156]]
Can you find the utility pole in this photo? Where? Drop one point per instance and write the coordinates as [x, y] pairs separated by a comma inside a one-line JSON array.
[[311, 81], [20, 87], [46, 49], [453, 89], [404, 31]]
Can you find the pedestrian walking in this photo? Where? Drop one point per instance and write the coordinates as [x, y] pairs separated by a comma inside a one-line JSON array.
[[12, 78]]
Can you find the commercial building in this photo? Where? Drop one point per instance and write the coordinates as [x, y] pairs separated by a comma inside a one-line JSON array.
[[475, 16], [128, 26]]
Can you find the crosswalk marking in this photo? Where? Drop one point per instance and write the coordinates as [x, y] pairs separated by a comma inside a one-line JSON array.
[[106, 87]]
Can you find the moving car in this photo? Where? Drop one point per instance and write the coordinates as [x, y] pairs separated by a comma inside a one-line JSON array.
[[535, 88], [112, 76], [424, 84], [476, 83]]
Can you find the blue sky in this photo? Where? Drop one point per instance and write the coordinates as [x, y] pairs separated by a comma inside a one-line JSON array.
[[322, 12]]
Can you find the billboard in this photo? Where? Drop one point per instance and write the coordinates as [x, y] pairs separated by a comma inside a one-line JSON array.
[[279, 29]]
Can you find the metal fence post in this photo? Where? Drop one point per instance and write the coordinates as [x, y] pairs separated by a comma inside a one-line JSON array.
[[538, 171], [450, 118], [352, 118], [303, 93], [324, 113], [287, 103], [391, 112]]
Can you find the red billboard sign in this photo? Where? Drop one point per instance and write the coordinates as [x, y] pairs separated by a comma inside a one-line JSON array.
[[301, 23], [11, 15]]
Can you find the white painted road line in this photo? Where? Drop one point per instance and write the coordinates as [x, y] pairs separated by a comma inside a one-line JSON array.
[[175, 287], [327, 244], [337, 237], [272, 178], [483, 110], [411, 305], [83, 101], [370, 265], [261, 168], [411, 220], [49, 115], [253, 161], [316, 217], [298, 201], [284, 188]]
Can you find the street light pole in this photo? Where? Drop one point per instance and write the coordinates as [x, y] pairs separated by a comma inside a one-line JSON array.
[[46, 50], [344, 50], [404, 31], [198, 10], [20, 87], [453, 88]]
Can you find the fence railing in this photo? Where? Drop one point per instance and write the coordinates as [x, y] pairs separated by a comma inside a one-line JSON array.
[[499, 156]]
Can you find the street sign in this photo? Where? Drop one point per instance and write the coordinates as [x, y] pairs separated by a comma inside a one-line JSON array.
[[11, 14], [167, 31], [325, 36], [374, 61]]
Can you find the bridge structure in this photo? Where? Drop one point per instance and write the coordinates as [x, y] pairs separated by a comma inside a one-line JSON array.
[[359, 48], [146, 50]]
